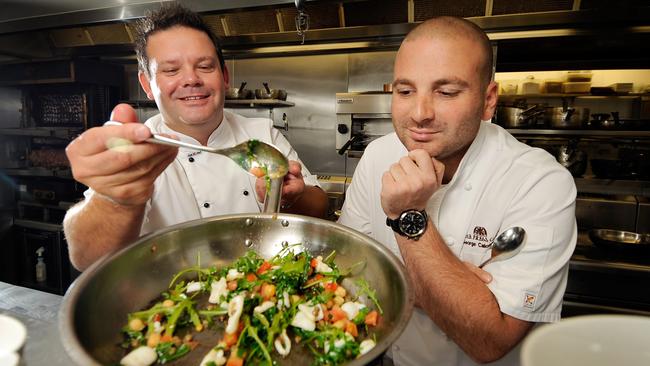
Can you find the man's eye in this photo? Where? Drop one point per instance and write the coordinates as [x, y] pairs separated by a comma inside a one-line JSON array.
[[405, 92], [170, 71], [448, 93], [206, 67]]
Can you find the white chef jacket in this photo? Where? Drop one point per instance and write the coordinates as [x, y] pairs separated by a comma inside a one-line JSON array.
[[201, 184], [500, 183]]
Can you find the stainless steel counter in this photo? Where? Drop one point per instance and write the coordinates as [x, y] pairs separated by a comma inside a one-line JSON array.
[[38, 311]]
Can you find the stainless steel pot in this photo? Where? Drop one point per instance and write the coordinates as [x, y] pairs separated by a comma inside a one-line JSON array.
[[517, 117], [267, 93], [96, 306], [239, 93], [567, 117]]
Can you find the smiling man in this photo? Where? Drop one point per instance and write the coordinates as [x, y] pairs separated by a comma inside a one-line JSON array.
[[138, 187], [443, 186]]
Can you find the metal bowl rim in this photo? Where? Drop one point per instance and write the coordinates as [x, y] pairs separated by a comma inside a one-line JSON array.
[[80, 356]]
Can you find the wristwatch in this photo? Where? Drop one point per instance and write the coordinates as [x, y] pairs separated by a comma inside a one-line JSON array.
[[410, 223]]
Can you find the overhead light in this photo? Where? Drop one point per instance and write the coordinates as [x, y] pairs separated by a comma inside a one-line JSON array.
[[313, 47]]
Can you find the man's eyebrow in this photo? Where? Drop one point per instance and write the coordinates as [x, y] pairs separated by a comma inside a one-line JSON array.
[[451, 81], [440, 82], [402, 82]]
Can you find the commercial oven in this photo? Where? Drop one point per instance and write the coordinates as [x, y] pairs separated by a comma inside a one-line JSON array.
[[361, 118]]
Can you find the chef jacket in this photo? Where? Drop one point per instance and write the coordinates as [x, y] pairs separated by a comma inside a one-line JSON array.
[[500, 183], [200, 184]]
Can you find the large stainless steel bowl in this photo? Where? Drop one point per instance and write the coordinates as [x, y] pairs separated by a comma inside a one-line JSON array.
[[96, 306]]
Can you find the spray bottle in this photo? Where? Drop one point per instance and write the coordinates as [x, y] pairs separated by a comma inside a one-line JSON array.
[[41, 271]]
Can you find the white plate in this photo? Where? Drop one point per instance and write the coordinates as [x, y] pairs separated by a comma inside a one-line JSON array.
[[9, 359], [594, 340], [12, 334]]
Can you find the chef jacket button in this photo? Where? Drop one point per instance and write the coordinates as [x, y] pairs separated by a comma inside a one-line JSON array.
[[450, 241], [245, 192], [206, 205], [468, 186], [191, 159], [395, 348]]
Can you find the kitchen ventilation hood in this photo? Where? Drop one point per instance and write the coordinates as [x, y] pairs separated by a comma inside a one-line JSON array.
[[37, 29]]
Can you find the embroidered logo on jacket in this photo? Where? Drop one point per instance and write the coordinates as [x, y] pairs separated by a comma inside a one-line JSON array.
[[529, 300], [478, 238]]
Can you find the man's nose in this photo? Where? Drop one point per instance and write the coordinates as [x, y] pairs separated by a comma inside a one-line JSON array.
[[191, 78], [423, 110]]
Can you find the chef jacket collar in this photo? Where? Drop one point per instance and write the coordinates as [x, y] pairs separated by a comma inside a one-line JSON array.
[[221, 137]]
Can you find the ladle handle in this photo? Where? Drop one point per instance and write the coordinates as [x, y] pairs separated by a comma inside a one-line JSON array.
[[162, 140], [485, 262], [273, 196]]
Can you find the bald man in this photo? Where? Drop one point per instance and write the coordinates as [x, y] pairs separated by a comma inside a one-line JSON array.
[[443, 186]]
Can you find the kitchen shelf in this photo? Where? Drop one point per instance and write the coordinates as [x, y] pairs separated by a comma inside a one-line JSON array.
[[583, 133], [613, 186], [257, 103], [574, 95], [58, 132], [39, 172]]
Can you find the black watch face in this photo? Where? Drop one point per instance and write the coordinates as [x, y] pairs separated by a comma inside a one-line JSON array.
[[412, 223]]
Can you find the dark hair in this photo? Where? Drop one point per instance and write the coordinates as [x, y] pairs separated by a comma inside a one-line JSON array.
[[447, 26], [168, 16]]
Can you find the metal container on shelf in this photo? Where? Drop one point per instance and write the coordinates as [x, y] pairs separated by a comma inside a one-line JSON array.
[[567, 117]]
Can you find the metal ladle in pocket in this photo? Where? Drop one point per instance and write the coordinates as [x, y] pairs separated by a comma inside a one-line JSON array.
[[506, 245]]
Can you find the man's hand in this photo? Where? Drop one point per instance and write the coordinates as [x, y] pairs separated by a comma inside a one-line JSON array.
[[292, 188], [113, 161], [484, 276], [410, 183]]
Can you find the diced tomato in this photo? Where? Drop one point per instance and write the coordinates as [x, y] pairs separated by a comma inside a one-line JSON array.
[[331, 286], [264, 267], [337, 314], [234, 359], [251, 277], [313, 263], [257, 171], [230, 339], [318, 276], [157, 317], [232, 285], [351, 328], [371, 318], [166, 338], [267, 291]]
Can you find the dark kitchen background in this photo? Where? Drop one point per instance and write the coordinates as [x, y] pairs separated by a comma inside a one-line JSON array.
[[574, 79]]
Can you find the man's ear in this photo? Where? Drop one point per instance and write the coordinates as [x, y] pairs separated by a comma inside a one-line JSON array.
[[226, 75], [145, 84], [491, 96]]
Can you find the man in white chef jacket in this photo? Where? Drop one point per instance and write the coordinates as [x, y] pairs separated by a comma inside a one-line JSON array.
[[138, 187], [448, 184]]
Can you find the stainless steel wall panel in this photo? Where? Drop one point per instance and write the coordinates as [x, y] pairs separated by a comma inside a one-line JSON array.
[[606, 213], [370, 70]]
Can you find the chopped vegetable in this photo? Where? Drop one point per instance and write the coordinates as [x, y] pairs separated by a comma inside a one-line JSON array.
[[262, 306]]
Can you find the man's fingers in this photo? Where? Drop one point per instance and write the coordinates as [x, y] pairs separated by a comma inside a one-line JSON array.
[[124, 113], [478, 272], [423, 161], [114, 174], [116, 160], [99, 139]]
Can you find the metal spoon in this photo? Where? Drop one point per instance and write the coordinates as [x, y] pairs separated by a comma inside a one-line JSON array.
[[506, 245], [255, 157]]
